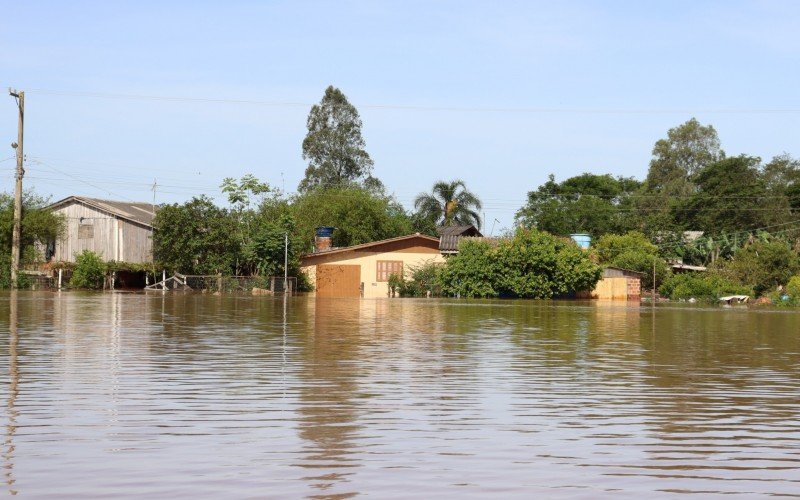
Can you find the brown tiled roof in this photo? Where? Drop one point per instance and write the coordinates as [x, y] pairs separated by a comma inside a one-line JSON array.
[[365, 246], [137, 212]]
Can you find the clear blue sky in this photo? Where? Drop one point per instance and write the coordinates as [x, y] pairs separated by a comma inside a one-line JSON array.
[[612, 77]]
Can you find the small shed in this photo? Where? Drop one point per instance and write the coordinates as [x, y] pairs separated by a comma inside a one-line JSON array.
[[116, 230], [618, 284]]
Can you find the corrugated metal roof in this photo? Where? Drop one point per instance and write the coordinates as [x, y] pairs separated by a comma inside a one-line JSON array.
[[137, 212], [624, 271], [449, 236], [468, 230]]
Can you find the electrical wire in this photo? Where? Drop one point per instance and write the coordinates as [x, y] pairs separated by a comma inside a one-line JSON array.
[[403, 107]]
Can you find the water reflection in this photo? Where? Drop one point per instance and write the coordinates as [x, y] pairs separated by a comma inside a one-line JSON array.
[[328, 411], [145, 395], [12, 412]]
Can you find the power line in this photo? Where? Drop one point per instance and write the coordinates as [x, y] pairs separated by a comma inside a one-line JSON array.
[[39, 162], [405, 107]]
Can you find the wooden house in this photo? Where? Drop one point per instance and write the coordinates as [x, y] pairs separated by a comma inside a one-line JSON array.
[[364, 270], [115, 230]]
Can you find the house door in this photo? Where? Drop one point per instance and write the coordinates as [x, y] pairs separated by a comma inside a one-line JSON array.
[[338, 280]]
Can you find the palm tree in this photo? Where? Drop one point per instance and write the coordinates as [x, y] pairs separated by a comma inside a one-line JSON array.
[[449, 203]]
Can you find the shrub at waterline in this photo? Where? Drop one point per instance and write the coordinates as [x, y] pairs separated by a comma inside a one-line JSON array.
[[709, 286], [790, 295], [424, 281], [90, 271], [532, 264], [763, 264], [473, 272]]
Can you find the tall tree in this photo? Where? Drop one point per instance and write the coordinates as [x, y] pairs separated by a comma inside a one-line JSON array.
[[595, 204], [731, 196], [782, 177], [358, 215], [449, 203], [334, 146], [688, 148]]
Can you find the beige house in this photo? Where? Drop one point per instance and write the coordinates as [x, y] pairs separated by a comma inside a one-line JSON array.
[[115, 230], [364, 270]]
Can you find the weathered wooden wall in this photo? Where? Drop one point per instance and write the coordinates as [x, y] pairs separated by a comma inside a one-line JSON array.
[[113, 238], [137, 242]]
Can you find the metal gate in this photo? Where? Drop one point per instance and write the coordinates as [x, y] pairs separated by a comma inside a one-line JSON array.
[[338, 280]]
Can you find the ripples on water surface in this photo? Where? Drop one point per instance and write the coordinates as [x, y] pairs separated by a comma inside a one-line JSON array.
[[195, 395]]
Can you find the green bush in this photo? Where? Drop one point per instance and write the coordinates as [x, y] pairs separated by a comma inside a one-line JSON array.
[[643, 263], [793, 288], [532, 264], [764, 265], [790, 295], [610, 246], [708, 286], [424, 280], [473, 272], [90, 271]]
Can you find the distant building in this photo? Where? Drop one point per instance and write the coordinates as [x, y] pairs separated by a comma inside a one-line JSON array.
[[680, 268], [364, 270], [115, 230]]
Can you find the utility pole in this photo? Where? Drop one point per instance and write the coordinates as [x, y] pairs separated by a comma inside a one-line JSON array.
[[285, 262], [654, 281], [153, 189], [15, 238]]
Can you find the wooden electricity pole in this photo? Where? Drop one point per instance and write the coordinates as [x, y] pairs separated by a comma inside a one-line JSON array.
[[15, 238]]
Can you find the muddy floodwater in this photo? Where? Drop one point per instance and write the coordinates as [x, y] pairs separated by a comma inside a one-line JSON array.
[[189, 395]]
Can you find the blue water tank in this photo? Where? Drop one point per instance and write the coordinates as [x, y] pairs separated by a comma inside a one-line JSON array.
[[583, 240], [325, 231]]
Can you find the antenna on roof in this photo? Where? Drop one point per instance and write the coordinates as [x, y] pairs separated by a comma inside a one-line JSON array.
[[155, 185], [493, 223]]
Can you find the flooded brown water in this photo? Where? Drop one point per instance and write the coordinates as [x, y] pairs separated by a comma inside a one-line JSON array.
[[201, 396]]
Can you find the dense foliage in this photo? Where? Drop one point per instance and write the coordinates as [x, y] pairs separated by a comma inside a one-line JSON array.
[[633, 251], [423, 281], [38, 225], [89, 272], [196, 237], [358, 215], [532, 264], [764, 265], [709, 286], [686, 150], [597, 204], [473, 272]]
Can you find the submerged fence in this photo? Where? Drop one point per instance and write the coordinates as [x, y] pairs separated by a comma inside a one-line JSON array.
[[256, 285]]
